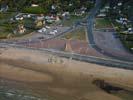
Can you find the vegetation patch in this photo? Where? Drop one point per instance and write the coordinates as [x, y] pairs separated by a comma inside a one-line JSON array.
[[78, 34], [123, 93], [128, 45], [103, 23], [127, 40], [35, 10], [6, 28]]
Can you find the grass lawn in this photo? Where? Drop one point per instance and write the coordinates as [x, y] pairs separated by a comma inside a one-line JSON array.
[[127, 40], [29, 23], [103, 23], [78, 34], [3, 35], [128, 44], [72, 20], [6, 15], [5, 28]]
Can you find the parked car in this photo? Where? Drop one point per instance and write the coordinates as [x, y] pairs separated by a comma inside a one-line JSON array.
[[52, 33], [42, 30]]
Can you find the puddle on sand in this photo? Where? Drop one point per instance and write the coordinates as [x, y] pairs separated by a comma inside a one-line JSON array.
[[9, 92], [123, 93]]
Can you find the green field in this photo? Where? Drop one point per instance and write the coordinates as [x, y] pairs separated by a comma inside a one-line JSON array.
[[78, 34], [103, 23]]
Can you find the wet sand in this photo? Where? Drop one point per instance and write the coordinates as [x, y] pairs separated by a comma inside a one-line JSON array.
[[59, 78]]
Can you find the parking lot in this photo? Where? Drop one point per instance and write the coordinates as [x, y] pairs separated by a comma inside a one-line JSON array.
[[46, 33]]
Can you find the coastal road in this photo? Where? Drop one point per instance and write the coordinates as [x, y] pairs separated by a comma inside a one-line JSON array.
[[90, 59]]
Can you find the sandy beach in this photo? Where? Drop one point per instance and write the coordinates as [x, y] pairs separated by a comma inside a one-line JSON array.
[[60, 78]]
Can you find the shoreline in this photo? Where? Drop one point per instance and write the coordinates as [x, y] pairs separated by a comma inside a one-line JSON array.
[[58, 80]]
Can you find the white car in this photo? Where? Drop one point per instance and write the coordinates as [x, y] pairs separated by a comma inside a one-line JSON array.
[[28, 16], [47, 27], [40, 31], [19, 18], [52, 33], [55, 31], [50, 21], [44, 29], [102, 15]]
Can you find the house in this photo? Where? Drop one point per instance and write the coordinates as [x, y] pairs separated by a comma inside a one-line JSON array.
[[65, 14], [103, 10], [19, 18], [130, 30], [4, 8], [107, 7], [53, 7], [57, 18], [39, 21], [80, 12], [21, 29], [40, 17], [34, 5], [51, 19], [101, 15], [122, 20], [119, 4]]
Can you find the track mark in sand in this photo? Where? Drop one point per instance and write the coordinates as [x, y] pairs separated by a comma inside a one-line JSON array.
[[21, 74]]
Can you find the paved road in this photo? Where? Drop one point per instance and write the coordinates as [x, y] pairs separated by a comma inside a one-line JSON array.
[[89, 59], [90, 25]]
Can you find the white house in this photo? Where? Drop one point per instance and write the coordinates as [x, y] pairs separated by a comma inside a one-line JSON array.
[[4, 8], [34, 5]]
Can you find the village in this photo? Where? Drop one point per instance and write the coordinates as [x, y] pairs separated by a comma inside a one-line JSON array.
[[23, 23], [33, 19], [66, 49]]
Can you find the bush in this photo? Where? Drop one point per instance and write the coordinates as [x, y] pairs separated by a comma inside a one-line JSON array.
[[117, 29], [34, 10]]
